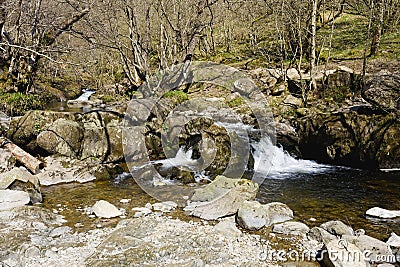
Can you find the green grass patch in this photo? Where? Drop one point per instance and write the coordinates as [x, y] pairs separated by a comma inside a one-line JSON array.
[[179, 96]]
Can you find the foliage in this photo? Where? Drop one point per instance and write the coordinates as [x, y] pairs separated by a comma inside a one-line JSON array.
[[177, 95], [17, 103]]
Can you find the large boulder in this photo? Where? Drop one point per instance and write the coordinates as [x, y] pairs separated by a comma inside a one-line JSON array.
[[94, 135], [383, 90], [61, 137], [22, 180], [337, 228], [221, 198], [352, 139]]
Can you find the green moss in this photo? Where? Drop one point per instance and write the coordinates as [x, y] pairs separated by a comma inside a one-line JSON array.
[[179, 96], [236, 102], [18, 103]]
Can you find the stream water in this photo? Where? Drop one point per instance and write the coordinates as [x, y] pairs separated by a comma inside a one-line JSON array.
[[317, 193]]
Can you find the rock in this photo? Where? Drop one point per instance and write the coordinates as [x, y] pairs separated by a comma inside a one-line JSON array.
[[278, 212], [394, 240], [141, 212], [24, 131], [337, 228], [292, 101], [221, 198], [59, 231], [7, 160], [252, 215], [292, 74], [104, 209], [166, 206], [320, 235], [22, 180], [341, 254], [375, 248], [244, 86], [62, 137], [227, 228], [351, 139], [291, 228], [382, 213], [95, 135], [383, 90], [11, 199]]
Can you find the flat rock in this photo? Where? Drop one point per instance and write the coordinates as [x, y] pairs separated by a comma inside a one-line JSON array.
[[337, 255], [224, 197], [139, 212], [383, 213], [291, 228], [104, 209], [11, 199], [165, 206]]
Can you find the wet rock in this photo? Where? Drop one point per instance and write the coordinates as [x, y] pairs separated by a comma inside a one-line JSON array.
[[383, 90], [20, 179], [104, 209], [291, 228], [252, 215], [277, 213], [11, 199], [221, 198], [337, 228], [166, 206], [382, 213], [351, 139]]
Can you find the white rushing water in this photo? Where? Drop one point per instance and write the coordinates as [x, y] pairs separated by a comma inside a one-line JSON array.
[[272, 161], [85, 95]]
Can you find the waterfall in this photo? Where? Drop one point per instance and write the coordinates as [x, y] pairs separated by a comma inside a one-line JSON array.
[[272, 161]]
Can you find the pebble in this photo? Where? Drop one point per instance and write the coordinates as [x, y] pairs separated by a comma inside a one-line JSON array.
[[125, 200]]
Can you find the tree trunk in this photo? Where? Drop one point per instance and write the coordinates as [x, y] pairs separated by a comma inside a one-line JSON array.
[[377, 22], [313, 27]]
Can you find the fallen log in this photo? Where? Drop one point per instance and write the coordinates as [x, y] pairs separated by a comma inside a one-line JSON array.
[[30, 162]]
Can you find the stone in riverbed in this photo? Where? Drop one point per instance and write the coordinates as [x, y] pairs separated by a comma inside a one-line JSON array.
[[337, 228], [252, 215], [166, 206], [334, 248], [277, 213], [394, 240], [383, 213], [7, 160], [227, 228], [104, 209], [11, 199], [21, 180], [291, 228], [221, 198]]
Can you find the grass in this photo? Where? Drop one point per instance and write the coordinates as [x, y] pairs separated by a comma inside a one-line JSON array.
[[179, 96]]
